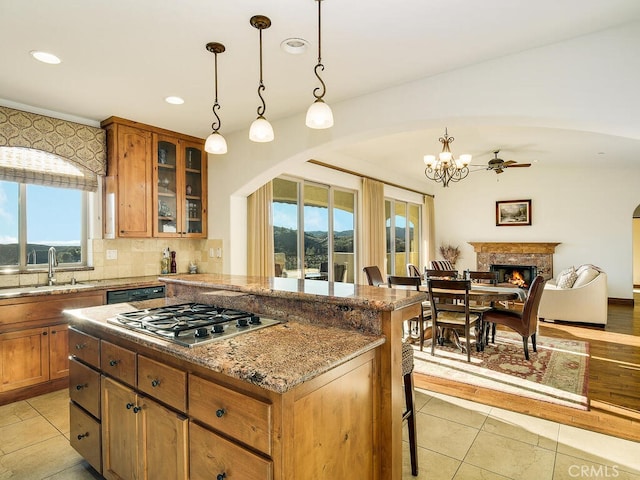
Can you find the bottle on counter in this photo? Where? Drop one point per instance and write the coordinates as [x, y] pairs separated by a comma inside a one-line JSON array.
[[164, 263], [173, 262]]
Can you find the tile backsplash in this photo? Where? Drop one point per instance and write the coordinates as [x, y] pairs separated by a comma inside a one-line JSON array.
[[124, 258]]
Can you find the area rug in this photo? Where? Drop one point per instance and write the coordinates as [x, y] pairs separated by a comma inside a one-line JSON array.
[[557, 373]]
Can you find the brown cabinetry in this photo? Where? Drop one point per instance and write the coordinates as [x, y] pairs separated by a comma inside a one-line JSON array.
[[85, 408], [156, 184], [141, 438], [34, 344]]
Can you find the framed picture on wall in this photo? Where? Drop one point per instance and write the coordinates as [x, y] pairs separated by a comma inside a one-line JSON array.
[[513, 212]]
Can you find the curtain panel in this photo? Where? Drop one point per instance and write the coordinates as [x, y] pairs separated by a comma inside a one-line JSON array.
[[260, 253], [83, 146], [373, 229]]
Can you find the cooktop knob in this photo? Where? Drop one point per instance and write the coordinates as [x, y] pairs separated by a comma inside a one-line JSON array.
[[242, 322], [218, 328], [202, 332], [255, 320]]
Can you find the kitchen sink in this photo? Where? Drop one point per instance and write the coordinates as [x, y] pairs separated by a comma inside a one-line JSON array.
[[33, 289]]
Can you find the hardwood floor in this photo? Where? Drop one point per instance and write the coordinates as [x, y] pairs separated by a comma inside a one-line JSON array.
[[614, 377]]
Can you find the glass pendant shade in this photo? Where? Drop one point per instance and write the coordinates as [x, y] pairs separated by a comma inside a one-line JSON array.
[[261, 130], [215, 144], [319, 115]]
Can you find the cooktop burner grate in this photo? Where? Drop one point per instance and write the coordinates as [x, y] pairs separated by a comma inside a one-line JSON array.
[[191, 324]]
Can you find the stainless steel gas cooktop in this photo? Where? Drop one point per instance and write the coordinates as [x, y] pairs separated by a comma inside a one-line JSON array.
[[191, 324]]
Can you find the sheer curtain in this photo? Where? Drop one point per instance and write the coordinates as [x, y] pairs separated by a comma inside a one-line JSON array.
[[373, 230], [260, 260]]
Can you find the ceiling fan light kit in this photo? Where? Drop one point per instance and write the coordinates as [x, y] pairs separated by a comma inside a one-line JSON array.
[[446, 168]]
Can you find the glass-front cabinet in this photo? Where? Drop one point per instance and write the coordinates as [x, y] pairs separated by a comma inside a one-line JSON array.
[[180, 178]]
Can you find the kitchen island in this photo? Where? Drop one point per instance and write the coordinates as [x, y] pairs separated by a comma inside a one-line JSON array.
[[317, 396]]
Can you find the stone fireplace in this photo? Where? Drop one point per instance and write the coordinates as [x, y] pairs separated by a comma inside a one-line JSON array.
[[537, 254]]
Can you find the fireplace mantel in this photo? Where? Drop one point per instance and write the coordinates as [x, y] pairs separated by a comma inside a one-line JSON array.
[[539, 254], [514, 247]]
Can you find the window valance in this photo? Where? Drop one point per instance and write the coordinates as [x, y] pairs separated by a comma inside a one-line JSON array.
[[83, 146]]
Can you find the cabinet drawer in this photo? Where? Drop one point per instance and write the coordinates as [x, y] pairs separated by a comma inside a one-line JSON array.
[[84, 347], [85, 436], [211, 456], [118, 362], [167, 384], [84, 387], [244, 418]]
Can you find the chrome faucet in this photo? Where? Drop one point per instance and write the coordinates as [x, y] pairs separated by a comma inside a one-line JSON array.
[[53, 262]]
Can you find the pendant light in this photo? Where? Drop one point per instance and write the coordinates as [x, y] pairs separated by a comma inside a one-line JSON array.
[[319, 114], [216, 143], [261, 130]]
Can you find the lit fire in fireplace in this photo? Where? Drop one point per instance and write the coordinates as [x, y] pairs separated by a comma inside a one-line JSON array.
[[517, 279]]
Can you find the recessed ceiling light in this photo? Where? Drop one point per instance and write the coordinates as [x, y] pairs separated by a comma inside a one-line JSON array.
[[174, 100], [45, 57], [294, 46]]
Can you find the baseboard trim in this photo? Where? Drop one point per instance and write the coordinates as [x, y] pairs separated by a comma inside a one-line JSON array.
[[621, 301]]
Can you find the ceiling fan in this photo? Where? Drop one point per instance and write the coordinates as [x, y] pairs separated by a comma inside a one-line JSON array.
[[498, 165]]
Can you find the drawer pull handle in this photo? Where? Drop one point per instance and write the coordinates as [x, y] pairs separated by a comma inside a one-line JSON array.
[[83, 435], [80, 386], [113, 363], [219, 413], [221, 476], [80, 346], [155, 383]]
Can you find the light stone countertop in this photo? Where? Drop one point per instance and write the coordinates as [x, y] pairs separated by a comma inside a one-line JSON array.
[[277, 358], [84, 286]]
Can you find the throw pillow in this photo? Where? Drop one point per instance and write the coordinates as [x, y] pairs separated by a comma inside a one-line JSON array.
[[567, 278], [586, 276]]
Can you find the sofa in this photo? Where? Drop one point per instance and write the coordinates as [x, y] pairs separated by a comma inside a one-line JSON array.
[[576, 295]]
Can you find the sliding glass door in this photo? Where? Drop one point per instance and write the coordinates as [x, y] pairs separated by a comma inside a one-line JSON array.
[[323, 249], [402, 221]]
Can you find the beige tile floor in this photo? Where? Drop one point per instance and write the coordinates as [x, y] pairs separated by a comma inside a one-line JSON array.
[[457, 439]]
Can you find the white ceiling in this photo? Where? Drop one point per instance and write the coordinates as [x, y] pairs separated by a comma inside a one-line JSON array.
[[123, 57]]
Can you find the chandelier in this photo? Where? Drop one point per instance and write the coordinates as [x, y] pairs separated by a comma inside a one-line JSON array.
[[445, 168]]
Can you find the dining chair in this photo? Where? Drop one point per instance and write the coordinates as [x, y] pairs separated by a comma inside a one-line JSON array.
[[410, 405], [525, 322], [396, 281], [490, 278], [374, 277], [412, 270], [441, 274], [482, 278], [452, 316]]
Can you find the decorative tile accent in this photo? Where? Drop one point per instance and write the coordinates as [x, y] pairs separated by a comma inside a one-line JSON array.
[[505, 253]]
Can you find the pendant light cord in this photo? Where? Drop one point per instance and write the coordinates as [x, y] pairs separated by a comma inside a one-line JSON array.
[[319, 66], [261, 87], [215, 126]]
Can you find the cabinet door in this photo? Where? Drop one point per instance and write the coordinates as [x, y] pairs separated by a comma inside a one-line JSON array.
[[195, 190], [162, 442], [212, 456], [168, 186], [134, 182], [120, 417], [58, 351], [24, 358]]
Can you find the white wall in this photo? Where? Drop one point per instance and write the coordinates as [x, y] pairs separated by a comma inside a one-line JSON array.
[[588, 211], [580, 84]]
